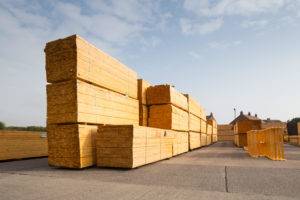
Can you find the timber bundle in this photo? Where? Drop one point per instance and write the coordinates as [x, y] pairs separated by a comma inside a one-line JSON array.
[[100, 113]]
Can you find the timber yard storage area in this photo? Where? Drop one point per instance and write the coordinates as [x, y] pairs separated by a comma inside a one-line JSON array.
[[135, 140]]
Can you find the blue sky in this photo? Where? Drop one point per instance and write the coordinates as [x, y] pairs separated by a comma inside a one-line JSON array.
[[225, 53]]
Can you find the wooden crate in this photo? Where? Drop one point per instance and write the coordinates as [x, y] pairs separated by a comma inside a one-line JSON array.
[[168, 116], [203, 125], [72, 146], [267, 142], [166, 94], [76, 101], [22, 144], [74, 58], [203, 139], [194, 123], [194, 140], [128, 146]]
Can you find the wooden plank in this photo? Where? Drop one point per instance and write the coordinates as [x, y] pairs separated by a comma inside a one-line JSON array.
[[74, 58], [166, 94], [72, 146], [194, 123], [76, 101], [194, 140], [22, 144], [195, 108], [129, 146], [168, 117], [203, 139], [203, 126], [143, 115], [143, 85]]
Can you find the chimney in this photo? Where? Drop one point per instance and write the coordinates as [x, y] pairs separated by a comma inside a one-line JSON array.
[[241, 112], [249, 113], [255, 115], [269, 119]]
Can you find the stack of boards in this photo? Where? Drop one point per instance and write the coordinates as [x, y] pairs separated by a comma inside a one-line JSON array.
[[22, 144], [225, 132], [267, 142], [99, 112]]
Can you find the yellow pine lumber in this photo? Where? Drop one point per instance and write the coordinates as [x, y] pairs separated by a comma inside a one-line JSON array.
[[168, 117], [74, 58], [143, 85], [166, 94], [76, 101], [194, 140], [22, 144], [72, 145]]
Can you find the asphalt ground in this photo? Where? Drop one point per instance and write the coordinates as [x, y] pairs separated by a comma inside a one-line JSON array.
[[220, 171]]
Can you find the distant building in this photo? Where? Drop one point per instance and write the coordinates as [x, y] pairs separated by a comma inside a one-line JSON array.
[[242, 124], [293, 126], [271, 123]]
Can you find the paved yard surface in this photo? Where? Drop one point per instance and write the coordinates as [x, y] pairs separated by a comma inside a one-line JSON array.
[[220, 171]]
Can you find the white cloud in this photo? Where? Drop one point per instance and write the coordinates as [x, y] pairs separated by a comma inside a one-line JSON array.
[[191, 27], [195, 55], [233, 7], [224, 44], [255, 23]]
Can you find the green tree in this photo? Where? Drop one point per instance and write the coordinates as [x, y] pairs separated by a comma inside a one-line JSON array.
[[2, 125]]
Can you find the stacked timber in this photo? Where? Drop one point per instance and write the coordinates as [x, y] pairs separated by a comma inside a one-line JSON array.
[[195, 113], [294, 139], [213, 126], [225, 132], [267, 142], [86, 86], [22, 144], [209, 130], [128, 146], [142, 97], [168, 109]]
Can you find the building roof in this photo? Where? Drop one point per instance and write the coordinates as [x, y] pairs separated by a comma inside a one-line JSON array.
[[210, 117], [242, 116]]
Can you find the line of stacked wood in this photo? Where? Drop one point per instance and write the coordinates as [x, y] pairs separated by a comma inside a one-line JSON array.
[[98, 112], [22, 144]]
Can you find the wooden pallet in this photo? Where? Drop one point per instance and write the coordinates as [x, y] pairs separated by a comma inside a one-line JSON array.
[[74, 58], [22, 144], [76, 101], [166, 94], [168, 116], [72, 146]]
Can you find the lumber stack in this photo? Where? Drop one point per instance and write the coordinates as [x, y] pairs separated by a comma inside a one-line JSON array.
[[195, 112], [225, 132], [142, 97], [168, 108], [241, 128], [294, 139], [128, 146], [267, 142], [209, 130], [22, 144], [86, 86]]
